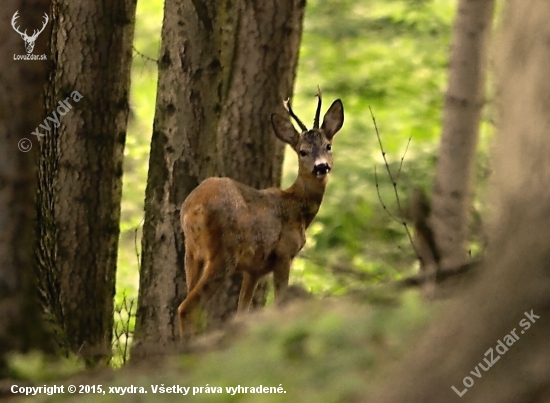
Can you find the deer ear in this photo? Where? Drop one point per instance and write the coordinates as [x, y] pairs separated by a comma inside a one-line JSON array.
[[333, 120], [285, 131]]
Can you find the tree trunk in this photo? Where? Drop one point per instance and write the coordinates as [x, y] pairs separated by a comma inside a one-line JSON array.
[[224, 68], [452, 191], [515, 277], [80, 170], [21, 89]]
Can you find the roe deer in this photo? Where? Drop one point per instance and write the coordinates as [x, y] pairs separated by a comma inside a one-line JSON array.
[[230, 227]]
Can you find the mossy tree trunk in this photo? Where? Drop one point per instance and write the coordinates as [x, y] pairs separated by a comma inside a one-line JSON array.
[[21, 108], [452, 190], [80, 170], [512, 293], [224, 68]]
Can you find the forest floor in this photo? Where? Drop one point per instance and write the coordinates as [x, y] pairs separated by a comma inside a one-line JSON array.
[[327, 350]]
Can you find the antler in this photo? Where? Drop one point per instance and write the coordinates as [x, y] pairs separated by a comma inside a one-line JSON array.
[[15, 16], [289, 109], [36, 33], [318, 112], [24, 34]]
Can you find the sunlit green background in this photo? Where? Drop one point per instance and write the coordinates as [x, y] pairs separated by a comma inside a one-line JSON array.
[[390, 55]]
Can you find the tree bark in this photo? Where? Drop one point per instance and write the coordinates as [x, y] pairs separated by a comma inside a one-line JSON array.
[[224, 68], [21, 88], [452, 190], [515, 277], [80, 170]]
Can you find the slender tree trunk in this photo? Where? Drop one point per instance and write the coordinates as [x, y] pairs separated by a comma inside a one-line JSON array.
[[21, 88], [512, 295], [224, 69], [452, 191], [80, 171]]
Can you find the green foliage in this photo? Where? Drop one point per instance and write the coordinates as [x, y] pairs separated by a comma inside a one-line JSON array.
[[38, 367], [136, 153], [329, 351], [123, 332], [391, 56]]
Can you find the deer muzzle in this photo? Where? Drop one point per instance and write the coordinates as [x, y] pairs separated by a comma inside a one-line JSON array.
[[321, 169]]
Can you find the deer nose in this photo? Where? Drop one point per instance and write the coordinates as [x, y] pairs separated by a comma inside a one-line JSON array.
[[321, 169]]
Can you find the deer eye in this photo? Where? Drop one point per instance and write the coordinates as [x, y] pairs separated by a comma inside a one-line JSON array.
[[329, 147], [303, 153]]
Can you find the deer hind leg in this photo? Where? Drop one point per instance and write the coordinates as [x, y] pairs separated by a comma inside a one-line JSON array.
[[193, 269], [211, 280]]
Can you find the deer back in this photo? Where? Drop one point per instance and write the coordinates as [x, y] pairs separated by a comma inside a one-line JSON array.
[[222, 215]]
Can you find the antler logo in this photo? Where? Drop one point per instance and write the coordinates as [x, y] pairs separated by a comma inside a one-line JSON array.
[[29, 40]]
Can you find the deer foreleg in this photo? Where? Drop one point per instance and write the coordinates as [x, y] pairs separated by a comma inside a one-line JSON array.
[[281, 274], [247, 291]]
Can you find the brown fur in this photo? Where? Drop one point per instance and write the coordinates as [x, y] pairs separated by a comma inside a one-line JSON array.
[[230, 227]]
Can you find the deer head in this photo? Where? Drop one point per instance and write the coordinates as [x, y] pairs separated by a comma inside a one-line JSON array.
[[29, 40], [314, 147]]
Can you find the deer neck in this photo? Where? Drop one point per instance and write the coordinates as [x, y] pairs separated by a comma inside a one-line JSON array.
[[306, 195]]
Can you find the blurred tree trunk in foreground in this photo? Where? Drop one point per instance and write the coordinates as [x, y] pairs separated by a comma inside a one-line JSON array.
[[224, 68], [515, 277], [80, 170], [452, 190], [21, 88]]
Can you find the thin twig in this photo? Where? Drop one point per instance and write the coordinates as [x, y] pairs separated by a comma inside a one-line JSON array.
[[402, 158], [393, 216], [127, 329], [440, 276], [144, 56], [394, 183], [122, 328], [136, 245]]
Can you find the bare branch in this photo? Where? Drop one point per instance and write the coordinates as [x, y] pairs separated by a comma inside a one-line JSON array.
[[150, 59], [393, 216], [440, 276], [394, 183], [403, 158], [136, 243]]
